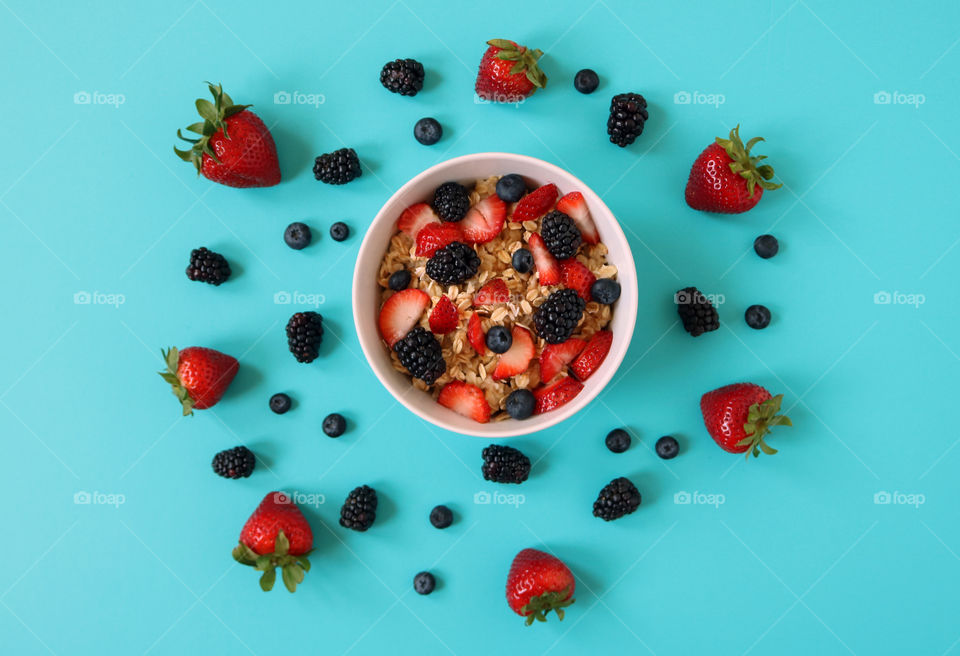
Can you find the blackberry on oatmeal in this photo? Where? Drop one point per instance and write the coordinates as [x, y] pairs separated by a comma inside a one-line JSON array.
[[523, 270]]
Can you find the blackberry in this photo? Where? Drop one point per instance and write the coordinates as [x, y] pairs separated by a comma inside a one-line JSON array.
[[453, 264], [441, 517], [628, 111], [360, 509], [451, 200], [304, 335], [695, 310], [499, 339], [207, 266], [757, 316], [605, 291], [424, 583], [339, 231], [522, 261], [337, 168], [334, 425], [520, 404], [766, 246], [560, 234], [399, 280], [504, 464], [618, 498], [668, 447], [558, 316], [511, 187], [403, 76], [297, 235], [427, 131], [586, 80], [618, 440], [280, 403], [237, 462], [420, 353]]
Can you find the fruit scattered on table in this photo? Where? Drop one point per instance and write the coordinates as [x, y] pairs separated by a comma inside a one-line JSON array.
[[551, 397], [605, 291], [739, 416], [499, 339], [558, 316], [427, 131], [619, 497], [757, 316], [238, 462], [444, 317], [726, 178], [421, 355], [538, 583], [334, 425], [198, 376], [403, 76], [667, 447], [304, 335], [399, 280], [504, 464], [233, 146], [628, 113], [518, 357], [451, 200], [276, 535], [424, 583], [360, 509], [522, 261], [441, 517], [511, 188], [401, 313], [555, 357], [618, 440], [208, 266], [280, 403], [509, 73], [520, 404], [337, 168], [586, 80], [696, 311], [339, 231], [592, 356], [297, 235], [766, 246]]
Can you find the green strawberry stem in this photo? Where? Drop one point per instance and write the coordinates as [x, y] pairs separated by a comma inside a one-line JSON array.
[[214, 117], [744, 164], [538, 607], [761, 418], [172, 358], [292, 568], [526, 60]]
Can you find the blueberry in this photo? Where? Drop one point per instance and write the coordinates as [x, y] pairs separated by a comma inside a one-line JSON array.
[[522, 261], [586, 81], [399, 280], [441, 517], [757, 316], [339, 231], [511, 188], [297, 235], [280, 403], [424, 583], [520, 404], [605, 291], [667, 447], [499, 339], [427, 131], [766, 246], [618, 440], [334, 425]]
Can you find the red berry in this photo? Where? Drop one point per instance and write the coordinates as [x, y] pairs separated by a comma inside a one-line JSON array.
[[555, 357], [726, 178], [465, 399], [517, 358], [555, 395], [199, 376], [492, 293], [538, 583], [475, 334], [434, 236], [593, 355], [508, 72], [576, 276], [401, 313], [739, 416], [276, 535], [444, 318], [535, 204], [547, 267]]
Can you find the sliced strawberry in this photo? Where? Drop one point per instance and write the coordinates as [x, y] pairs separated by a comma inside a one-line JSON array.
[[553, 396], [555, 357], [475, 334], [465, 399], [435, 236], [401, 313], [484, 221], [492, 293], [415, 217], [444, 318], [516, 360], [576, 276], [545, 262], [535, 204], [593, 355], [575, 207]]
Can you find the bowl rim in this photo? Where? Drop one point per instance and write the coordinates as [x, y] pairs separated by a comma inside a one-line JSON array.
[[510, 428]]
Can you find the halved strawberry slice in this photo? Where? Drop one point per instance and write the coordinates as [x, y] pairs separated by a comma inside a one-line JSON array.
[[435, 236], [475, 334], [535, 204], [484, 221], [545, 262], [492, 293], [576, 276], [444, 318], [575, 207], [593, 355], [401, 313], [415, 217], [516, 360], [554, 357], [553, 396], [465, 399]]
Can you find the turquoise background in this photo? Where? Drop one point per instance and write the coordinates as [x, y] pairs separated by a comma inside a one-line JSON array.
[[798, 559]]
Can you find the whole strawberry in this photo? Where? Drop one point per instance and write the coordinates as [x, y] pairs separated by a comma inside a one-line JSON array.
[[234, 148], [276, 535], [738, 417], [538, 583], [509, 73], [199, 376], [725, 177]]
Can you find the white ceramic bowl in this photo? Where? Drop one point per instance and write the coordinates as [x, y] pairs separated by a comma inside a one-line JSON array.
[[366, 293]]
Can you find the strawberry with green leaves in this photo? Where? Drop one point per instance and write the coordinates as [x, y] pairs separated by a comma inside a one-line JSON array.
[[739, 416], [276, 535], [234, 147], [509, 73], [726, 178], [199, 376], [537, 584]]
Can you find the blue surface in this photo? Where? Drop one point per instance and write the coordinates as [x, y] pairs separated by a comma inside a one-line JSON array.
[[797, 559]]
